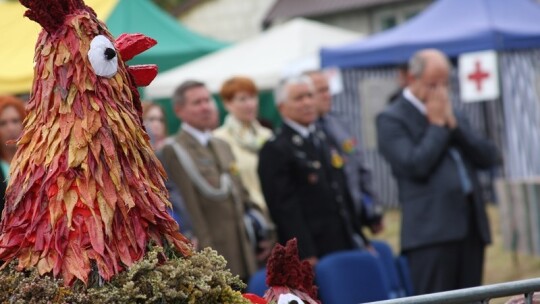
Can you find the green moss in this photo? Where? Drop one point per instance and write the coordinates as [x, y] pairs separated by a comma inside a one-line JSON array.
[[199, 279]]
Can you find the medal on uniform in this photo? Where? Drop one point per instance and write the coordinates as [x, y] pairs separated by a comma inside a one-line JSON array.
[[337, 160], [297, 140], [233, 169], [349, 145]]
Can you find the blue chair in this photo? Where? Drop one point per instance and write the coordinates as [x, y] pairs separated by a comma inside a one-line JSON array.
[[257, 283], [405, 275], [351, 277], [389, 264]]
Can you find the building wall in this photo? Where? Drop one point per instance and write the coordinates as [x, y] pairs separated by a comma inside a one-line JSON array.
[[227, 20], [375, 19], [358, 21]]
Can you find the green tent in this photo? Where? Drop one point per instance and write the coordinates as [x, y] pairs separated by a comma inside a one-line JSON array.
[[176, 44]]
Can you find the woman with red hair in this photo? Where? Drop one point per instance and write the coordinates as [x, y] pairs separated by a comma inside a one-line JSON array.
[[246, 136], [12, 114], [243, 132]]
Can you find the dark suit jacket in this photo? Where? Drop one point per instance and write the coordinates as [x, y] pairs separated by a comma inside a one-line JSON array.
[[434, 207], [302, 194]]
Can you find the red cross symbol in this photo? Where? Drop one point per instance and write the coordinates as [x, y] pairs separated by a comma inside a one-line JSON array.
[[478, 76]]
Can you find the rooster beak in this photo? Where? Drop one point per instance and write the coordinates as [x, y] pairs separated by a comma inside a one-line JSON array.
[[131, 45]]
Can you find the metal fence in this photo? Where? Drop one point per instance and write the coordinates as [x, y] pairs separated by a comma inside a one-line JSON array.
[[482, 294]]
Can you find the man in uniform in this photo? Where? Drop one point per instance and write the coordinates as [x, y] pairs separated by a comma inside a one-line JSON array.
[[203, 169], [303, 181]]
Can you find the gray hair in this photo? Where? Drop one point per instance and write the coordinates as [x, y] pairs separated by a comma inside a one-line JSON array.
[[281, 93], [417, 63], [312, 72], [179, 96]]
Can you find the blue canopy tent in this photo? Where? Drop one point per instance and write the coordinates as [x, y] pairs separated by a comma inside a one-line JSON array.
[[512, 28], [452, 26]]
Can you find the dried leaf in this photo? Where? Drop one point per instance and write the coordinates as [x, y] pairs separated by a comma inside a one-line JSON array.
[[95, 231], [107, 213], [76, 264], [45, 265], [70, 199], [76, 155], [62, 55]]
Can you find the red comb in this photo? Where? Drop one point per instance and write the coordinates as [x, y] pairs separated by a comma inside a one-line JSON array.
[[51, 14]]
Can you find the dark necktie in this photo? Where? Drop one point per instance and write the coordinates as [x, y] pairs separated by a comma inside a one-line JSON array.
[[466, 183]]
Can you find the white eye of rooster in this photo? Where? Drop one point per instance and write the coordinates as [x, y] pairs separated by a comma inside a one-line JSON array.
[[103, 57]]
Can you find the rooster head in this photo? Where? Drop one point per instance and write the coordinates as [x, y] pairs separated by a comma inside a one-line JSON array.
[[75, 48]]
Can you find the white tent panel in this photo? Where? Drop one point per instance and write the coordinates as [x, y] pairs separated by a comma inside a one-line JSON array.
[[263, 58]]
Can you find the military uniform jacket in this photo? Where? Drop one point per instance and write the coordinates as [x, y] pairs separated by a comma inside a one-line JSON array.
[[216, 223], [304, 196]]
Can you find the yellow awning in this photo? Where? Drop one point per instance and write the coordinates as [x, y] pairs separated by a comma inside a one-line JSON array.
[[18, 37]]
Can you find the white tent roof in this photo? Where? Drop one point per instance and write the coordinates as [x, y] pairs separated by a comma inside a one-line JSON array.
[[265, 58]]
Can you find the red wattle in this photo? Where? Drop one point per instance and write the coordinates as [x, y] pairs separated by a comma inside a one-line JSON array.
[[143, 74]]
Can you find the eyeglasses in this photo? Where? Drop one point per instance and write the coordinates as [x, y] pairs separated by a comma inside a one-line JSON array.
[[245, 98], [15, 121], [153, 119]]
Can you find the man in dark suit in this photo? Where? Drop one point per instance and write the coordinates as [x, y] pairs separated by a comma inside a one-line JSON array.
[[434, 154], [303, 181]]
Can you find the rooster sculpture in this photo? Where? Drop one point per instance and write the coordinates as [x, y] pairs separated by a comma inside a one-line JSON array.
[[86, 191]]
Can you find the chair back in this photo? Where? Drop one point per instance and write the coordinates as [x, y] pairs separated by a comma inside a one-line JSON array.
[[257, 283], [351, 277], [405, 275], [389, 264]]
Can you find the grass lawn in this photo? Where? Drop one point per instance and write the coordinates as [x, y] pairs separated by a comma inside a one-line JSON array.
[[501, 265]]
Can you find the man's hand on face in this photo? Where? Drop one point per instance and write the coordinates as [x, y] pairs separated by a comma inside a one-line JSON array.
[[437, 106]]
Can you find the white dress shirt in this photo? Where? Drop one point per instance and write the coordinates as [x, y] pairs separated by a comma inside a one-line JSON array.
[[203, 137], [302, 130], [417, 103]]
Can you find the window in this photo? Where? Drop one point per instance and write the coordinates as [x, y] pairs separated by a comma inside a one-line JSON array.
[[388, 22], [411, 14], [391, 16]]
